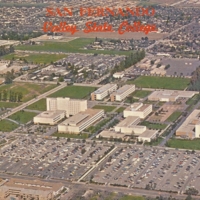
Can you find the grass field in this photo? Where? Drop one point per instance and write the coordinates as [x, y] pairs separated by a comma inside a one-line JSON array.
[[68, 135], [193, 100], [154, 125], [8, 104], [121, 109], [78, 92], [174, 116], [74, 46], [105, 108], [23, 117], [36, 58], [7, 126], [141, 93], [39, 105], [184, 144], [29, 90], [127, 197], [161, 82]]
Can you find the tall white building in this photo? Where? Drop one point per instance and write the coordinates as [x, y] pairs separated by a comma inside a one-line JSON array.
[[70, 106], [103, 91], [122, 93], [138, 110]]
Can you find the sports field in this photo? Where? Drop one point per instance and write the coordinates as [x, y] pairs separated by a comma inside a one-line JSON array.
[[74, 46], [36, 58], [156, 82], [77, 92]]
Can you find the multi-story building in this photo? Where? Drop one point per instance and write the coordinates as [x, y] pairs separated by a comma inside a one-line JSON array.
[[139, 110], [80, 121], [49, 117], [71, 106], [122, 93], [103, 92]]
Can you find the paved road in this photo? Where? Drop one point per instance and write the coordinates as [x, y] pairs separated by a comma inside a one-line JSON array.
[[24, 105]]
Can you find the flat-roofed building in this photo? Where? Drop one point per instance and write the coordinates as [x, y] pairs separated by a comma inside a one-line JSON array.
[[170, 95], [110, 134], [29, 189], [103, 92], [49, 117], [130, 126], [80, 121], [71, 106], [139, 110], [190, 128], [122, 93], [148, 136], [118, 75]]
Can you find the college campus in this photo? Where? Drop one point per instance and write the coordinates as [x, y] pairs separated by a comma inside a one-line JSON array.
[[100, 115]]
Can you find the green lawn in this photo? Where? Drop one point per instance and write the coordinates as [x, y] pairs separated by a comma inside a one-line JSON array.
[[105, 108], [184, 144], [174, 116], [193, 100], [7, 126], [36, 58], [121, 109], [141, 93], [172, 83], [68, 135], [28, 90], [154, 125], [74, 46], [127, 197], [23, 117], [9, 104], [77, 92], [39, 105]]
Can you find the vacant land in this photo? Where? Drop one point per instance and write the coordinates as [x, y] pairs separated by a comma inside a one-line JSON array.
[[77, 92], [23, 117], [7, 126], [184, 144], [28, 90], [105, 108], [74, 46], [39, 105], [36, 58], [174, 116], [161, 82], [141, 93], [68, 135], [155, 126], [156, 2], [9, 104]]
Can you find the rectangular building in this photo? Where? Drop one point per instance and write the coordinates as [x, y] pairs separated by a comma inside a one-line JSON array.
[[191, 126], [122, 93], [49, 117], [80, 121], [71, 106], [130, 126], [103, 92], [148, 136], [138, 110], [170, 95]]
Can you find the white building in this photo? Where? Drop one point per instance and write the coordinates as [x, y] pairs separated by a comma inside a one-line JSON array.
[[148, 136], [139, 110], [122, 93], [80, 121], [71, 106], [103, 91], [118, 75], [49, 117], [130, 126]]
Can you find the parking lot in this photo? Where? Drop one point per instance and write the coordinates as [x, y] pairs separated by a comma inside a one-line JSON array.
[[150, 168], [58, 159]]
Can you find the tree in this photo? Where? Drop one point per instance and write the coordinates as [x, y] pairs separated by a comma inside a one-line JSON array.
[[189, 197]]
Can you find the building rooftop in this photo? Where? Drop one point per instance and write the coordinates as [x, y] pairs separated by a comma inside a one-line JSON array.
[[148, 133], [50, 114], [104, 88], [129, 121], [123, 89], [137, 107], [81, 117]]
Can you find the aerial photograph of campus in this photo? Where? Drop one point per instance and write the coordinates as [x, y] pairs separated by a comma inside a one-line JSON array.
[[99, 100]]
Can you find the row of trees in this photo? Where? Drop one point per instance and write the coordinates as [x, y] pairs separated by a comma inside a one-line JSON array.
[[11, 96], [6, 50], [195, 80], [130, 60], [9, 77]]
